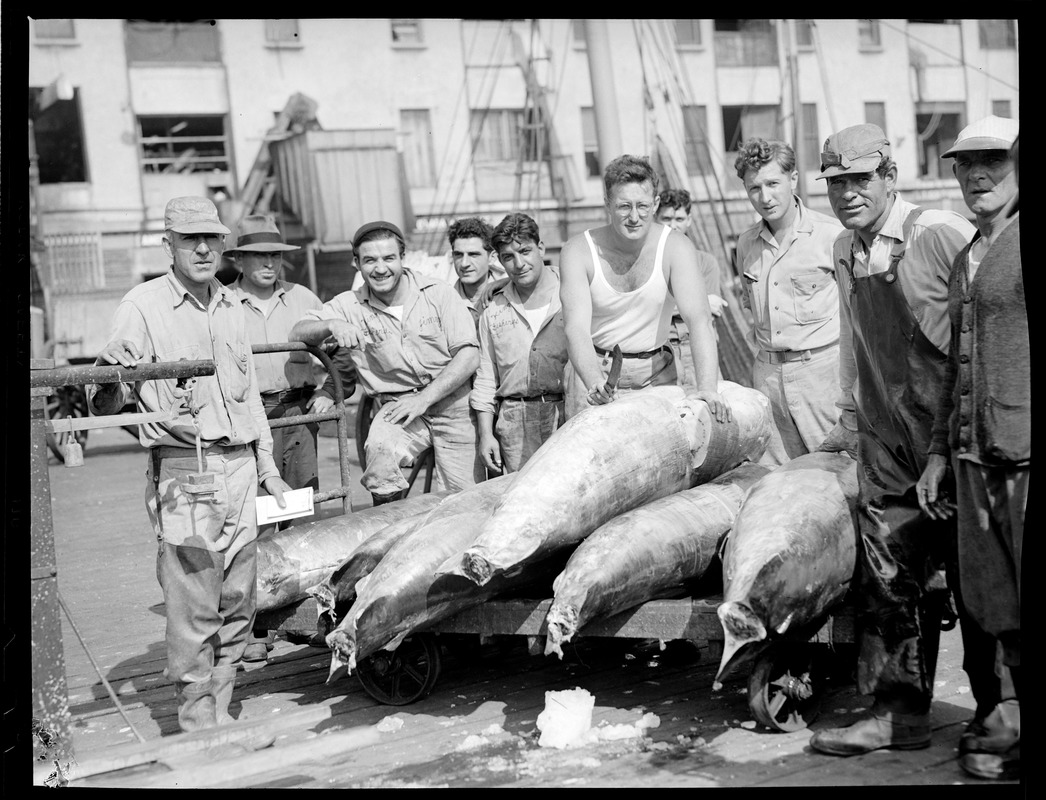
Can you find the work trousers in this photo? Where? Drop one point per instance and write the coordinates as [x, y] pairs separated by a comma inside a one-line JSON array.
[[991, 504], [206, 560], [636, 375], [447, 428], [522, 427], [802, 397], [294, 447]]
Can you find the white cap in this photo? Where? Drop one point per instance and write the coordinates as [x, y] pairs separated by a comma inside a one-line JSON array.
[[990, 133]]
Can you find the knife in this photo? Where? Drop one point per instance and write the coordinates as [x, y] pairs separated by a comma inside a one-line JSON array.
[[615, 369]]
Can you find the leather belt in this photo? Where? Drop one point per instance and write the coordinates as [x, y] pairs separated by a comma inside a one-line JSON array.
[[388, 397], [786, 356], [171, 451], [648, 354], [290, 395], [551, 397]]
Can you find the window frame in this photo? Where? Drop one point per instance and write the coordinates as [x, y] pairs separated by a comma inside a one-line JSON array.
[[42, 168], [988, 33], [415, 23], [53, 38], [205, 163], [695, 25]]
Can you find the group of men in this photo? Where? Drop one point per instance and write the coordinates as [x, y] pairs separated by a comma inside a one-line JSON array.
[[854, 348], [899, 335]]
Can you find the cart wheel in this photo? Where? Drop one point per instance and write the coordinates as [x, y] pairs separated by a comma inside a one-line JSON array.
[[66, 402], [426, 462], [403, 676], [786, 687]]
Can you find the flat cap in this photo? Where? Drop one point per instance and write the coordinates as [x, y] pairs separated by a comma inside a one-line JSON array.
[[370, 227], [192, 215], [859, 148]]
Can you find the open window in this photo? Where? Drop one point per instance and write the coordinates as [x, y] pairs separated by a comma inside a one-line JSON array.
[[57, 127]]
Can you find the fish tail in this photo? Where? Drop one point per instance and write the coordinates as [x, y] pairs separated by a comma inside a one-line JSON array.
[[740, 627], [343, 653], [561, 625]]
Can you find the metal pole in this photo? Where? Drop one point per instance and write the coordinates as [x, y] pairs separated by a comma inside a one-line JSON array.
[[797, 108], [604, 98], [310, 263], [50, 691]]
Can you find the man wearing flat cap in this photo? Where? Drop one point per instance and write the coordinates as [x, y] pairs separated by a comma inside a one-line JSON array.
[[205, 522], [414, 344], [893, 261], [271, 307], [982, 429]]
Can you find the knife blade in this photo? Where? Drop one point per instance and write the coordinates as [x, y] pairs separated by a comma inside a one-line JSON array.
[[615, 369]]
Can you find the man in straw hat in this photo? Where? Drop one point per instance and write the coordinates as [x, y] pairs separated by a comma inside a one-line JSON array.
[[893, 260], [205, 523], [982, 429], [414, 345], [271, 307]]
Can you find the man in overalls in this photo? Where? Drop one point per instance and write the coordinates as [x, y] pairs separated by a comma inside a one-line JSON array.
[[893, 262]]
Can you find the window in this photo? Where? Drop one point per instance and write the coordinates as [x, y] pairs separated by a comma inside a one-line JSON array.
[[695, 129], [58, 136], [744, 122], [810, 152], [1001, 108], [868, 34], [936, 126], [997, 34], [191, 41], [281, 31], [419, 156], [577, 27], [804, 34], [875, 113], [183, 144], [406, 31], [745, 43], [499, 135], [54, 29], [590, 142], [688, 32]]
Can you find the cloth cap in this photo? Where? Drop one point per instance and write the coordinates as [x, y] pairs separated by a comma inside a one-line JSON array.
[[192, 215], [259, 234], [379, 225], [859, 148], [990, 133]]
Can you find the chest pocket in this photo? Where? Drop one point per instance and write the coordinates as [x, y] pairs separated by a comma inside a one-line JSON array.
[[815, 297], [238, 371]]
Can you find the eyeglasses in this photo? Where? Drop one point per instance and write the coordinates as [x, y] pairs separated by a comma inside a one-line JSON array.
[[625, 209]]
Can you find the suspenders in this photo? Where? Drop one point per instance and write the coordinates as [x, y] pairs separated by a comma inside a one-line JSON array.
[[898, 249]]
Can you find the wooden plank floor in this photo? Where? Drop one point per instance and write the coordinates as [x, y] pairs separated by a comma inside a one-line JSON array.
[[477, 727]]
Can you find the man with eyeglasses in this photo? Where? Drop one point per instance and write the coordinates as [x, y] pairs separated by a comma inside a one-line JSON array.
[[893, 262], [619, 286], [205, 523]]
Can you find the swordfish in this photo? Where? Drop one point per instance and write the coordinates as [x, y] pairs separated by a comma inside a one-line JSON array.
[[608, 460]]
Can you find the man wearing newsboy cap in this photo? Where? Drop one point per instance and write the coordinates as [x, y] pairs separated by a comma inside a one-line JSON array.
[[285, 379], [414, 345], [982, 429], [204, 522], [893, 261]]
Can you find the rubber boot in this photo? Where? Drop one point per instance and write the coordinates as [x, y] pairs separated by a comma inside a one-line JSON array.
[[882, 730], [196, 708], [223, 679]]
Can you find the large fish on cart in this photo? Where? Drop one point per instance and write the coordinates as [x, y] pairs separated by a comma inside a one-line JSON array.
[[292, 561], [790, 556], [608, 460], [403, 593], [648, 553]]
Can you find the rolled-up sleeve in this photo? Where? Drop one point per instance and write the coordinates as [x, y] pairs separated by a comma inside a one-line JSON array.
[[458, 324], [485, 383]]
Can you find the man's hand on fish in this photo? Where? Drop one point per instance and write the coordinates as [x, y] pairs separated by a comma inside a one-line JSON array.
[[717, 405]]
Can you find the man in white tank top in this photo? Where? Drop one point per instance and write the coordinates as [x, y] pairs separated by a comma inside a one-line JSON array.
[[620, 284]]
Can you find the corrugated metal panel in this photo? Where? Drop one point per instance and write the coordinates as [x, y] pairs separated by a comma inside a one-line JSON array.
[[335, 181]]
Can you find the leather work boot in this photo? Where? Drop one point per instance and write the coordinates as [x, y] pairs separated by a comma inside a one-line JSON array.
[[1005, 766], [195, 705], [223, 679], [258, 647], [883, 730], [995, 733]]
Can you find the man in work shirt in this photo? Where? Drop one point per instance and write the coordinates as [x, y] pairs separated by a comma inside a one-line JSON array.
[[620, 285], [789, 285], [205, 525], [414, 345], [475, 262], [522, 352], [673, 210], [271, 307], [982, 428], [894, 261]]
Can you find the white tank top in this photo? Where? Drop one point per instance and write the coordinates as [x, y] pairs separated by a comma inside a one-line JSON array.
[[638, 320]]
